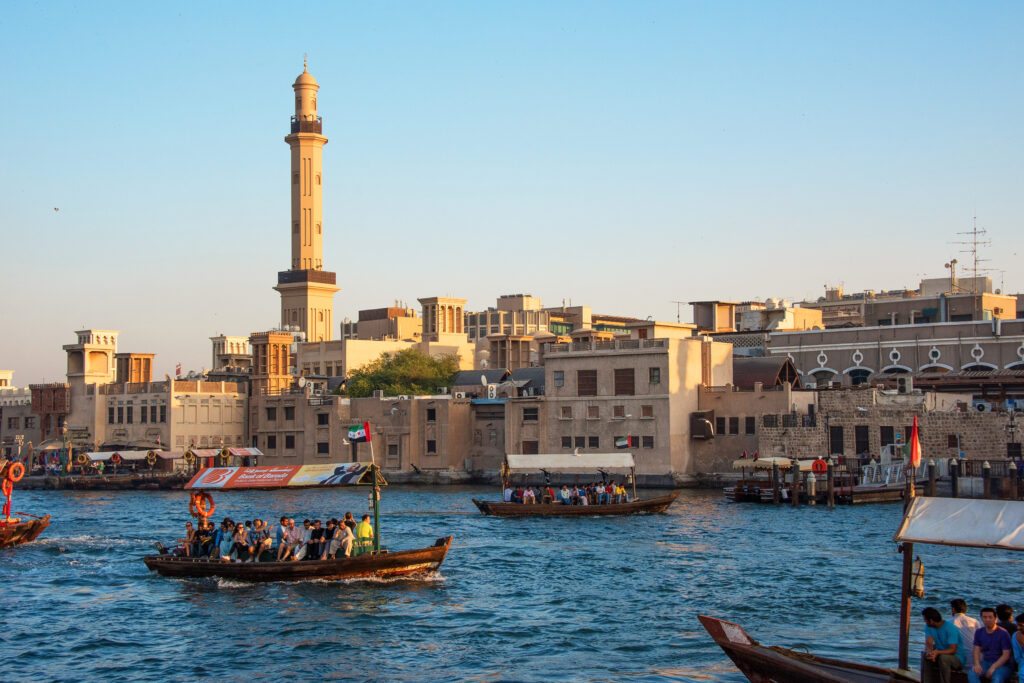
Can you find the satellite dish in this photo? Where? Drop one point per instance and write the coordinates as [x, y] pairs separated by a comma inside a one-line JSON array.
[[483, 380], [302, 382]]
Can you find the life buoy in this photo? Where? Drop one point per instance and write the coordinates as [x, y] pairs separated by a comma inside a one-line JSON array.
[[15, 472], [224, 457], [115, 458], [201, 505], [151, 458], [190, 457], [819, 466], [82, 459]]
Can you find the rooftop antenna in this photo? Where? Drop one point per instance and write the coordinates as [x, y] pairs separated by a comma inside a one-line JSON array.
[[679, 305], [952, 275], [973, 243]]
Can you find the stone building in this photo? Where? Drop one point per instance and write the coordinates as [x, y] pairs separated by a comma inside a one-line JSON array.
[[19, 425], [51, 402]]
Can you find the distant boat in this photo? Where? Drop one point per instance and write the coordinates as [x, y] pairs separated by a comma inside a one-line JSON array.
[[13, 530], [576, 463]]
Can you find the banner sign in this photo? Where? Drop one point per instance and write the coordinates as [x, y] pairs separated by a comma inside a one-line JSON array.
[[279, 476]]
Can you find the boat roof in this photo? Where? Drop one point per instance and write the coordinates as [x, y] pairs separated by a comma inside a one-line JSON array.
[[124, 455], [568, 462], [283, 476], [806, 465], [964, 523]]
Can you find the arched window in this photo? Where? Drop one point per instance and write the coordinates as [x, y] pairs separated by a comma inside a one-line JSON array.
[[859, 376]]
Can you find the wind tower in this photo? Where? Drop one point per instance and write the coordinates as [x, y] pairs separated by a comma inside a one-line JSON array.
[[307, 290]]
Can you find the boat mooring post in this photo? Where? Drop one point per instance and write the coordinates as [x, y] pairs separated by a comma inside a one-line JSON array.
[[830, 473], [954, 476], [931, 478], [986, 479], [775, 483], [796, 483]]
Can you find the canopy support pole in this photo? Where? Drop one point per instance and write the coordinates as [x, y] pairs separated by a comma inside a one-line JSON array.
[[905, 598], [632, 475], [375, 497]]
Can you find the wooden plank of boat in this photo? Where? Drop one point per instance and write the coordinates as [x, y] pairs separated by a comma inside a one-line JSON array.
[[380, 565], [761, 664], [22, 532], [633, 507]]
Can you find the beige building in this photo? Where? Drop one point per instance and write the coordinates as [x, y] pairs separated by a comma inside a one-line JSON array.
[[307, 290], [391, 323], [19, 426], [230, 353]]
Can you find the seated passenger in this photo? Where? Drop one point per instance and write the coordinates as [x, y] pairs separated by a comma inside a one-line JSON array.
[[992, 651], [1017, 645], [1004, 618], [292, 539], [517, 495], [565, 496], [583, 497], [260, 543], [620, 494], [345, 540], [316, 535], [507, 495], [330, 540], [944, 650], [602, 493], [549, 495], [240, 543], [303, 546], [529, 497], [188, 541], [280, 536]]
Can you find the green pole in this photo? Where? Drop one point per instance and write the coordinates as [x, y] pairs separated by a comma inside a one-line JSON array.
[[375, 493]]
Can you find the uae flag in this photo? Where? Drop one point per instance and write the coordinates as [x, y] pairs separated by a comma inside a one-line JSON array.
[[359, 433], [915, 446], [623, 442]]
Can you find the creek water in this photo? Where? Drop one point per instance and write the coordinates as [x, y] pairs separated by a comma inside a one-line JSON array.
[[532, 599]]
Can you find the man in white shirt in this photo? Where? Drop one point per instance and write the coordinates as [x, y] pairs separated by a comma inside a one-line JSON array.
[[966, 624]]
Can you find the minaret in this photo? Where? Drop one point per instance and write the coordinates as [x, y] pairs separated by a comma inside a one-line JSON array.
[[307, 290]]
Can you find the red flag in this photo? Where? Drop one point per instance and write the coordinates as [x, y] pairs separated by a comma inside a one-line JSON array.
[[755, 455], [743, 457], [177, 370], [915, 446]]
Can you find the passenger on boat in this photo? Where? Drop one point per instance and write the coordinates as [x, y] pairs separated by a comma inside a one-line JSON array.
[[189, 541], [517, 495], [583, 496], [967, 625], [620, 494], [345, 539], [316, 541], [1004, 618], [529, 497], [350, 521], [507, 495], [549, 495], [239, 544], [330, 540], [204, 537], [364, 529], [279, 536], [993, 656], [261, 545], [303, 546], [227, 539], [943, 644], [602, 493], [1017, 644], [564, 495], [292, 538]]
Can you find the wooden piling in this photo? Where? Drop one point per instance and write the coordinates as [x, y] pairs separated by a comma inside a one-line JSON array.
[[831, 476], [986, 480], [775, 483], [795, 492], [954, 476], [931, 478]]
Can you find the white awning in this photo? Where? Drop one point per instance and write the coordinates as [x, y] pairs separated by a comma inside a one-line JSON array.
[[125, 455], [965, 523], [567, 462]]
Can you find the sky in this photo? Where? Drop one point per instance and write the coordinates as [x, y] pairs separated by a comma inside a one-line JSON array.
[[621, 155]]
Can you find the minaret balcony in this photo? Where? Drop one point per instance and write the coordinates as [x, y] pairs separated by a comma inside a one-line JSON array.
[[308, 125], [286, 277]]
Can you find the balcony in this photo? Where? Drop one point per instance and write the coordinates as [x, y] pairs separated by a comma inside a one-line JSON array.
[[285, 277], [300, 126]]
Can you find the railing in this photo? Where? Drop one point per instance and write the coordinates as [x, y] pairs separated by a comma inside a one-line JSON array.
[[285, 277], [301, 126], [606, 345]]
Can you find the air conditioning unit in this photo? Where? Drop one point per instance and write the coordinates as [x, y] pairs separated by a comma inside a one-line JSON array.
[[983, 407], [460, 394], [403, 397]]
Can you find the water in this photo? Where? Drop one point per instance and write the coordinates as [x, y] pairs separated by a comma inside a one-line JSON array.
[[525, 600]]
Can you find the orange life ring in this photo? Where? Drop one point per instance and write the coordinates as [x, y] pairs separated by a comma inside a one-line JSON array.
[[115, 458], [201, 505], [82, 459], [151, 458], [15, 472]]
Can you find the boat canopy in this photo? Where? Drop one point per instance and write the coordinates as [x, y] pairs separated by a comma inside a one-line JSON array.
[[124, 455], [567, 462], [761, 463], [964, 523], [283, 476]]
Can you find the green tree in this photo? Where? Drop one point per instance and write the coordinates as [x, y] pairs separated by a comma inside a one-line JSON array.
[[404, 372]]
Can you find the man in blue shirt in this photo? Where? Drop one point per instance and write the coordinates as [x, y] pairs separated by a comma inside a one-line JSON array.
[[992, 656], [944, 648]]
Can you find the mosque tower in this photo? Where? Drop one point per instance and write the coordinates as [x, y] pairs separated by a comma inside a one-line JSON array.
[[307, 290]]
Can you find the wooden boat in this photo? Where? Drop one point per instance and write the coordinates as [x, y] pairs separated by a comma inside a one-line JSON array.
[[565, 464], [16, 531], [374, 561], [648, 506], [382, 564], [760, 663]]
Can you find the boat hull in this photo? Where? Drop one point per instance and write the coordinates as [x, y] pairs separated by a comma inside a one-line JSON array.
[[376, 565], [647, 506], [762, 664], [22, 532]]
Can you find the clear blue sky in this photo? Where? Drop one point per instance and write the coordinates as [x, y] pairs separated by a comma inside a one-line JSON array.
[[619, 154]]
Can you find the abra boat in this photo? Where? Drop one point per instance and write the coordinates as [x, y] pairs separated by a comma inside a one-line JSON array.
[[374, 561], [14, 530], [569, 464]]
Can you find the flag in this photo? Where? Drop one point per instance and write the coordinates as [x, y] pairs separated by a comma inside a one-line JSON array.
[[177, 370], [744, 456], [915, 446], [755, 455], [359, 433], [623, 442]]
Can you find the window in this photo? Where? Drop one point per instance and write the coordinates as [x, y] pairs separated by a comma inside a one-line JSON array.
[[289, 442], [322, 419], [12, 423], [581, 442], [619, 411], [110, 415], [566, 442], [648, 442], [432, 414], [1013, 451], [271, 414], [835, 440], [593, 412], [289, 412], [566, 413], [152, 415], [593, 442], [143, 414], [323, 448], [163, 413], [734, 425], [719, 425], [559, 378], [749, 425], [952, 441], [271, 442], [128, 419], [888, 435], [30, 422], [625, 385], [647, 411], [586, 382], [120, 415], [860, 439], [529, 414], [654, 375], [431, 447], [770, 421], [530, 448]]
